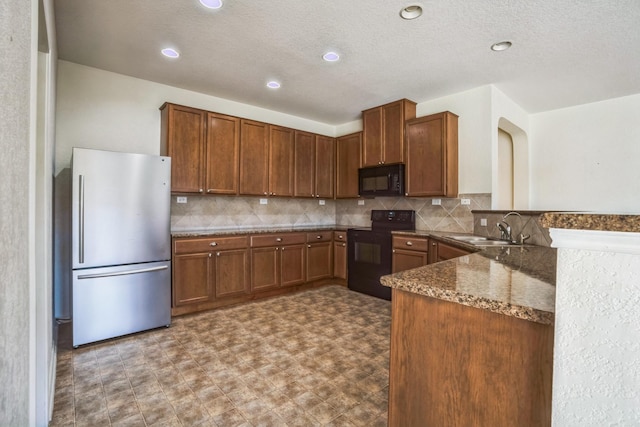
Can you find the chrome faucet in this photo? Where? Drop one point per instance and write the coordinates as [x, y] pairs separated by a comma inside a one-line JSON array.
[[505, 230]]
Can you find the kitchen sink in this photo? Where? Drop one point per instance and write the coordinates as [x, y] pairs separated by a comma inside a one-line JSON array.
[[480, 241]]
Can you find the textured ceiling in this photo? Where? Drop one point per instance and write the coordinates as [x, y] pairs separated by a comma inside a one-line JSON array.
[[565, 52]]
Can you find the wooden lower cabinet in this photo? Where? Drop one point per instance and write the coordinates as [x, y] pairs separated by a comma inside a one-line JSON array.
[[439, 251], [340, 255], [230, 273], [191, 271], [408, 253], [319, 255], [459, 366], [273, 267]]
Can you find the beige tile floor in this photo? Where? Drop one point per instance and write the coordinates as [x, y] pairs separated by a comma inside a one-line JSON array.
[[319, 357]]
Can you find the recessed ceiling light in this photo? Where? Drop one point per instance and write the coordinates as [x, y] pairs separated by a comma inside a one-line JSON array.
[[273, 85], [170, 53], [331, 56], [212, 4], [411, 12], [501, 46]]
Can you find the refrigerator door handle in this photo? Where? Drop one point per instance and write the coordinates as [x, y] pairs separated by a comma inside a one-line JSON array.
[[122, 273], [81, 220]]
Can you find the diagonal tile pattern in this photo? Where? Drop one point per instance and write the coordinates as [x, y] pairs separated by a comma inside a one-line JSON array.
[[315, 358]]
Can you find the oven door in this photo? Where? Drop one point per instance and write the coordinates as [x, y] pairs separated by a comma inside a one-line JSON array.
[[369, 257]]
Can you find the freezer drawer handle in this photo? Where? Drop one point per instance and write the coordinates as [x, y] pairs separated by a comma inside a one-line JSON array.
[[81, 220], [122, 273]]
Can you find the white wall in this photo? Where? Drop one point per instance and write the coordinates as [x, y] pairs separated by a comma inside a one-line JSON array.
[[587, 158], [104, 110]]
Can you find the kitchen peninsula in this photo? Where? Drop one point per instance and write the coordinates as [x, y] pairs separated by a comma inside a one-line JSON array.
[[472, 340]]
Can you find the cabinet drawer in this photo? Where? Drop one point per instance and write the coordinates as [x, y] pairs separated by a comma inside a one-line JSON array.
[[413, 243], [320, 236], [264, 240], [209, 243], [340, 236]]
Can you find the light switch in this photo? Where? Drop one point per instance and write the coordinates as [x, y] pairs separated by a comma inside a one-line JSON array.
[[483, 222], [181, 199]]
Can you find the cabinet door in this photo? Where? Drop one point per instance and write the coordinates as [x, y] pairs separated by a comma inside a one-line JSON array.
[[439, 251], [403, 259], [372, 137], [223, 150], [254, 158], [183, 139], [393, 132], [432, 156], [292, 265], [340, 260], [347, 164], [319, 261], [191, 279], [264, 268], [324, 166], [281, 161], [231, 273], [304, 165]]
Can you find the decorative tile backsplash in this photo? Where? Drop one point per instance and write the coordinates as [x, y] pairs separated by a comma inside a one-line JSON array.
[[228, 212], [527, 223]]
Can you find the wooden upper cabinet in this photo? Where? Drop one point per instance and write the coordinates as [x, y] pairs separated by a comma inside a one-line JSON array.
[[223, 151], [254, 158], [347, 163], [432, 155], [281, 161], [304, 185], [183, 139], [383, 134], [324, 166], [314, 165]]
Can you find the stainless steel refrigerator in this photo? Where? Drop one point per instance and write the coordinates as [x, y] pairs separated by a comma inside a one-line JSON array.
[[120, 245]]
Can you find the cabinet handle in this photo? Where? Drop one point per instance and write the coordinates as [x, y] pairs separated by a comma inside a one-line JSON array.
[[319, 236], [213, 244], [279, 239], [409, 243]]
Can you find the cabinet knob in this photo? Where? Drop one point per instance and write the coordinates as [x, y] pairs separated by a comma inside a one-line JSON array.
[[319, 236], [213, 244], [409, 243], [406, 194], [308, 246], [317, 195], [209, 190], [282, 249], [217, 253], [344, 244], [279, 239], [394, 251], [277, 249], [433, 244], [265, 193], [209, 254], [341, 237], [201, 190]]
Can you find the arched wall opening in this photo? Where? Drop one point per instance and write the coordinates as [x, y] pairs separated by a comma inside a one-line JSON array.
[[512, 189]]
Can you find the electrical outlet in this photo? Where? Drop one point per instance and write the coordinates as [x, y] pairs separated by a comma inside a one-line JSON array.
[[181, 199], [321, 202], [264, 201], [360, 202], [436, 201], [465, 201], [483, 222]]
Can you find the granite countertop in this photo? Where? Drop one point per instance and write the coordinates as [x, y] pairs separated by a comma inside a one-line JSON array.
[[256, 230], [517, 281], [591, 221]]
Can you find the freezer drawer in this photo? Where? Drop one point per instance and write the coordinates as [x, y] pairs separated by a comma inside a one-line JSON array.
[[113, 301]]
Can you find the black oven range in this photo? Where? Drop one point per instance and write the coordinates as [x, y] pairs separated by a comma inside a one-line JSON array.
[[369, 250]]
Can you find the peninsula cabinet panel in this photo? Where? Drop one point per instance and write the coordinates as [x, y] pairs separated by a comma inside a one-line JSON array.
[[304, 185], [383, 134], [281, 161], [191, 279], [324, 166], [432, 156], [223, 150], [182, 137], [347, 163], [254, 158], [454, 365]]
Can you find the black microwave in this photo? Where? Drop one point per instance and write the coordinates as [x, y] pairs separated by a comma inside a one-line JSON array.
[[386, 180]]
